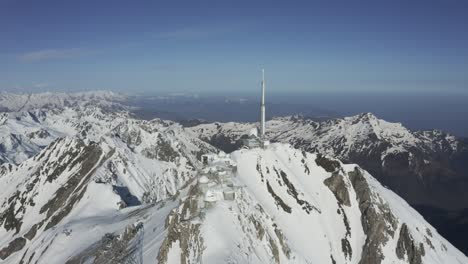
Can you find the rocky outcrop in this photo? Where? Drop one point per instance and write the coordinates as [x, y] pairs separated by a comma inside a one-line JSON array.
[[278, 201], [63, 155], [14, 246], [337, 185], [114, 248], [377, 220], [328, 164], [69, 194], [186, 235], [407, 249]]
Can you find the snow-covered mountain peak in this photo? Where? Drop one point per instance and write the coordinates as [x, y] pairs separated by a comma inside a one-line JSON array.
[[87, 184], [13, 102], [76, 178], [296, 207], [367, 125], [415, 164], [117, 189]]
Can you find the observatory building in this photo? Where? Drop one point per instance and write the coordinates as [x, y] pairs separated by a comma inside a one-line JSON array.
[[256, 137]]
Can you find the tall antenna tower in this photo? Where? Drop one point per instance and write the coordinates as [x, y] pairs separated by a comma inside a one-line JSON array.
[[262, 108]]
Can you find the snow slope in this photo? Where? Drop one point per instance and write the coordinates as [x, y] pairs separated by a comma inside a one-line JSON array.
[[290, 207], [72, 180], [23, 134], [296, 207], [82, 184], [86, 169]]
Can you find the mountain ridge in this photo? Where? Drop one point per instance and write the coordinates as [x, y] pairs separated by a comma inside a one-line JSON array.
[[345, 198], [88, 184], [381, 147]]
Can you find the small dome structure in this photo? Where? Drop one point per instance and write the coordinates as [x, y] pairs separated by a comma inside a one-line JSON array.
[[203, 180], [253, 132]]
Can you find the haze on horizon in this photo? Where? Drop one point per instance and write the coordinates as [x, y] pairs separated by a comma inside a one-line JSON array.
[[215, 46]]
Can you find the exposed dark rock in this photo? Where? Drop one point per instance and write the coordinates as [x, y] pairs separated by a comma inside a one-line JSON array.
[[428, 231], [337, 185], [189, 237], [69, 194], [378, 225], [282, 240], [39, 134], [429, 242], [33, 117], [274, 250], [5, 168], [306, 169], [162, 151], [306, 206], [258, 227], [190, 205], [279, 202], [328, 164], [78, 156], [407, 248], [345, 221], [8, 217], [58, 166], [346, 248], [16, 245], [259, 169], [114, 248], [32, 232]]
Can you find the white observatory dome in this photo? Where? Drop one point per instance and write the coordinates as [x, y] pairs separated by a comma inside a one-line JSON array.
[[253, 132], [203, 180]]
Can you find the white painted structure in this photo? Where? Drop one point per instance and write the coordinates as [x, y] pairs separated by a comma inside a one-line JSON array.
[[215, 182], [262, 108], [253, 140]]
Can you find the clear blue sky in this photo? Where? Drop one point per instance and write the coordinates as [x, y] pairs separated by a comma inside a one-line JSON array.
[[204, 46]]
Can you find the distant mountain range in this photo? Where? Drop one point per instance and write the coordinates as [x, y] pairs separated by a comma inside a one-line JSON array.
[[424, 167], [82, 180], [11, 102], [427, 168]]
